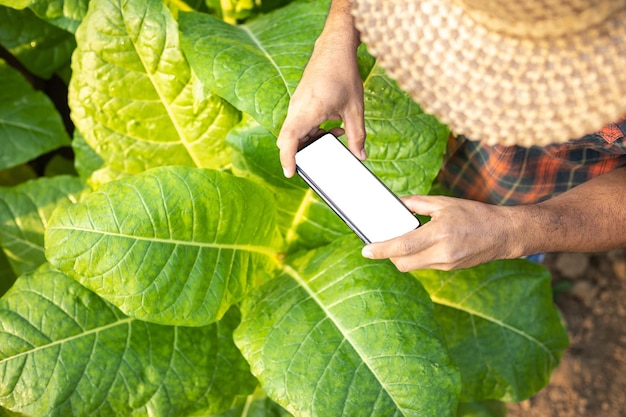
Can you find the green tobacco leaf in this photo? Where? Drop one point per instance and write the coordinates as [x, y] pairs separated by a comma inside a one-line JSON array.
[[16, 4], [90, 166], [502, 328], [66, 352], [482, 409], [256, 155], [29, 124], [404, 145], [340, 335], [254, 405], [6, 413], [305, 220], [24, 213], [173, 245], [134, 97], [66, 14], [7, 276], [86, 160], [42, 48], [255, 66]]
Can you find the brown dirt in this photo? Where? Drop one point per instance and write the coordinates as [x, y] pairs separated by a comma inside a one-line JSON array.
[[590, 291]]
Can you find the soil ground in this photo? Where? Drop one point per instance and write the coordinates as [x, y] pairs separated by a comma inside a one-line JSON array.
[[590, 291]]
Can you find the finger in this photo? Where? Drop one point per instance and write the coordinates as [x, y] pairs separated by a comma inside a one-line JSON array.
[[426, 205], [338, 131], [423, 261], [411, 263], [427, 257], [288, 149], [355, 132], [288, 142]]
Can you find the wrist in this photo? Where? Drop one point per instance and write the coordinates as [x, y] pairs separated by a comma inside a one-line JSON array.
[[535, 229], [525, 233]]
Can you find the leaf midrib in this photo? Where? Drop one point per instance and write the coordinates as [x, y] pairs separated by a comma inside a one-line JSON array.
[[166, 105], [472, 312], [259, 45], [263, 250], [299, 217], [86, 333], [303, 284]]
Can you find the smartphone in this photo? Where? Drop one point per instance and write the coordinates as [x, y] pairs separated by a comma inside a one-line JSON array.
[[352, 191]]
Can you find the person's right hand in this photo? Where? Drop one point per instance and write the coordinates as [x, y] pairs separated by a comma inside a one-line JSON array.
[[330, 89]]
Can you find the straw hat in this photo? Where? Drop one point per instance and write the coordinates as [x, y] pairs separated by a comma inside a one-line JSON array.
[[525, 72]]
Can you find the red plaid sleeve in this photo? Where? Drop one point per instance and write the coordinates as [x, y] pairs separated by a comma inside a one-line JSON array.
[[515, 175]]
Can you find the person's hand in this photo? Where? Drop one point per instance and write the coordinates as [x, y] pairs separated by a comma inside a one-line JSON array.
[[460, 234], [330, 89]]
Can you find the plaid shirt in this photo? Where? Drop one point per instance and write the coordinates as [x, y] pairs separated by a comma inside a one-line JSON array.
[[515, 175]]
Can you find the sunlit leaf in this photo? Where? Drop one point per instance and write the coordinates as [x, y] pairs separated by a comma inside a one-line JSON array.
[[65, 14], [41, 47], [135, 99], [24, 213], [502, 328], [171, 246], [66, 352], [340, 335], [255, 66]]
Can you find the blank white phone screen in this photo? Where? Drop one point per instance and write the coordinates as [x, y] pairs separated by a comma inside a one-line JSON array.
[[358, 197]]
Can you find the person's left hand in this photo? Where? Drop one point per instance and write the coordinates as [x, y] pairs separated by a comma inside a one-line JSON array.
[[460, 234]]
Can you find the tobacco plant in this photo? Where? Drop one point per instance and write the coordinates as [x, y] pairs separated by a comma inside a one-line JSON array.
[[156, 262]]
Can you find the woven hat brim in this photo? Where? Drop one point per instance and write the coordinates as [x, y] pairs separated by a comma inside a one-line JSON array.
[[496, 88]]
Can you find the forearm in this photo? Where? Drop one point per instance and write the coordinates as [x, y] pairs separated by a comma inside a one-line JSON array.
[[330, 89], [588, 218], [339, 26]]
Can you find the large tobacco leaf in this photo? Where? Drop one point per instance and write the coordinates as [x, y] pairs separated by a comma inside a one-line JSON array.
[[66, 352], [41, 48], [255, 66], [405, 146], [501, 326], [65, 14], [134, 97], [24, 213], [29, 123], [174, 245], [340, 335]]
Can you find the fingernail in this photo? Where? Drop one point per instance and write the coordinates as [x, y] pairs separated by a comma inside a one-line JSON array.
[[286, 172], [367, 253], [363, 155]]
